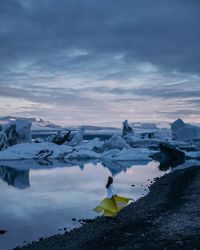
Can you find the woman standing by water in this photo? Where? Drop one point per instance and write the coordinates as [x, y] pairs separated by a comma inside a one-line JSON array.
[[113, 203]]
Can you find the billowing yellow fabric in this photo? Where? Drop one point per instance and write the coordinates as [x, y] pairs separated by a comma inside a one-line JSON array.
[[111, 206]]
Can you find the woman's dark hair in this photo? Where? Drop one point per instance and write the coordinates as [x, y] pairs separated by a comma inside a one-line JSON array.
[[110, 181]]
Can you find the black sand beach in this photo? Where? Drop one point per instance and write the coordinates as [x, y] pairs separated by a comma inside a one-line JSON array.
[[167, 218]]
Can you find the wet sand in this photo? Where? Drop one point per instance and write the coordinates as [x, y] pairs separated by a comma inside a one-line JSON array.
[[167, 218]]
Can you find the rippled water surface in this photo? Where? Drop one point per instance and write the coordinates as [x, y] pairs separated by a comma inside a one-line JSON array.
[[41, 201]]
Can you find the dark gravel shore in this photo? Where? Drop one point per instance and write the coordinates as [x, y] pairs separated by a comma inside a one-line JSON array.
[[167, 218]]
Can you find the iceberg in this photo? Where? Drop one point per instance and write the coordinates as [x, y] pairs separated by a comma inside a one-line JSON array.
[[133, 155], [115, 142], [77, 138], [15, 132], [127, 129], [184, 132]]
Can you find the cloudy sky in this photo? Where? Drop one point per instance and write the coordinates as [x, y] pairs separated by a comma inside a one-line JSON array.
[[100, 61]]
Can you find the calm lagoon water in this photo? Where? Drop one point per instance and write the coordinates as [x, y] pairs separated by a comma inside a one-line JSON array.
[[38, 202]]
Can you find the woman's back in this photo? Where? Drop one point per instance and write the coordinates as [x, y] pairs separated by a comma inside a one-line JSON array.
[[110, 191]]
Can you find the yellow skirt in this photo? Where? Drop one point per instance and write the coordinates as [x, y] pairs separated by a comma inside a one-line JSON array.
[[111, 206]]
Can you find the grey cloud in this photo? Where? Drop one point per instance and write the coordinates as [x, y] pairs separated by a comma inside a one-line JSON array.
[[180, 112], [42, 34], [45, 45], [48, 95], [165, 92]]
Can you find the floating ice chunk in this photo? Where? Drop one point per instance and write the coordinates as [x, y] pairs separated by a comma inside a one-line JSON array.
[[132, 155], [115, 142]]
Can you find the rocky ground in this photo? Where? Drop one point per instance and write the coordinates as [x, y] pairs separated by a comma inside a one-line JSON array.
[[167, 218]]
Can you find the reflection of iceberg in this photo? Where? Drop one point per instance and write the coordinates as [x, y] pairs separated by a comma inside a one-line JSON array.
[[117, 167], [16, 173], [14, 177]]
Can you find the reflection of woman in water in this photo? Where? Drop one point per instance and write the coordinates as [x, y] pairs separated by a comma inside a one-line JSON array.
[[111, 205]]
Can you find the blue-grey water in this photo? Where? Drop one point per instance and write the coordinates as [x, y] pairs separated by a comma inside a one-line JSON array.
[[41, 201]]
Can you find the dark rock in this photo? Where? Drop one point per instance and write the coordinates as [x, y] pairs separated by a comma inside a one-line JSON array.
[[169, 156], [74, 219], [60, 138], [2, 231], [86, 220]]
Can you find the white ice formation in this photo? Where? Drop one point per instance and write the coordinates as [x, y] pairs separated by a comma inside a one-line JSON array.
[[184, 132], [15, 132], [78, 138]]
